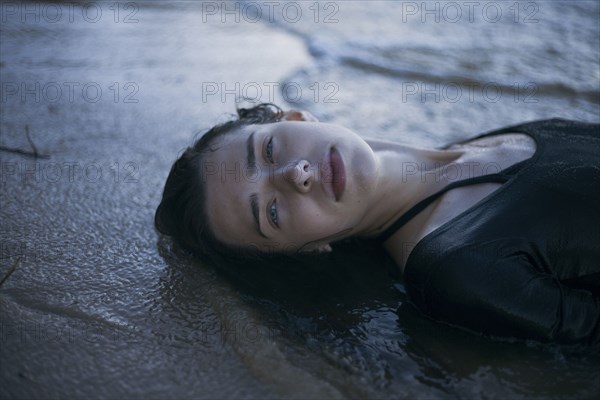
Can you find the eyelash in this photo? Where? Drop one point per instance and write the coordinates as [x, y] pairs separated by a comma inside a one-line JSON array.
[[273, 214], [269, 150], [274, 218]]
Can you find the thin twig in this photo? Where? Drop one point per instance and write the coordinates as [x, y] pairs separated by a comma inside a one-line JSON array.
[[10, 272], [33, 154], [23, 152]]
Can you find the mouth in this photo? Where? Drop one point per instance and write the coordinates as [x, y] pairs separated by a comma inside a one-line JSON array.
[[338, 173]]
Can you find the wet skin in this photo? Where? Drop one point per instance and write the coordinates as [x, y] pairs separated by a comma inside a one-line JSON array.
[[293, 195]]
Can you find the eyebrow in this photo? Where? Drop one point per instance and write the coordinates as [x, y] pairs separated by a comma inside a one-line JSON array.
[[255, 213], [251, 159]]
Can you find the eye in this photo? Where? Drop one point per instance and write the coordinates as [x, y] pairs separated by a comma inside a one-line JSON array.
[[269, 150], [273, 213]]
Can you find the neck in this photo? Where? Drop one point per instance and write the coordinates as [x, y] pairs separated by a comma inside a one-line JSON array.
[[406, 176]]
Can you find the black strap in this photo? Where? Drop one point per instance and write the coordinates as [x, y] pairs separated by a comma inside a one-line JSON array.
[[501, 177]]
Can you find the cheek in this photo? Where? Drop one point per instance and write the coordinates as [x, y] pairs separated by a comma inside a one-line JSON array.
[[311, 221]]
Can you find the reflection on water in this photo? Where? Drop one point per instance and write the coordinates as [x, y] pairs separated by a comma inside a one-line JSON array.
[[97, 306], [345, 319]]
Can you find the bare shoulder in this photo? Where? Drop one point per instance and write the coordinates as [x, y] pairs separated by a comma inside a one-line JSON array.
[[511, 140]]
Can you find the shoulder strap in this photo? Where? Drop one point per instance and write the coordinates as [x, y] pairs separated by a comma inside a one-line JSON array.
[[529, 128], [417, 208]]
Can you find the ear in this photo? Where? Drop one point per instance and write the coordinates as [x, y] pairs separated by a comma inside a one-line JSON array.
[[325, 248], [295, 115]]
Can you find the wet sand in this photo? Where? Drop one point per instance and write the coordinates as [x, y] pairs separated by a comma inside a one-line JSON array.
[[91, 308], [95, 304]]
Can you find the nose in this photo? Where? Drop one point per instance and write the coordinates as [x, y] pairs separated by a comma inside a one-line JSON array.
[[298, 174]]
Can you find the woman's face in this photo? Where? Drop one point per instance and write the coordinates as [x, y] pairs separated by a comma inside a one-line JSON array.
[[287, 186]]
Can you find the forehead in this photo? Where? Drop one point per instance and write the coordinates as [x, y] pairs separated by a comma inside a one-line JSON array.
[[224, 172]]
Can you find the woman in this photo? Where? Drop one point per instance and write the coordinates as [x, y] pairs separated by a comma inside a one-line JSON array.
[[499, 234]]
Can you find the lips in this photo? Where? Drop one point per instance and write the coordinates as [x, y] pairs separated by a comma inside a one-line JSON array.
[[338, 173]]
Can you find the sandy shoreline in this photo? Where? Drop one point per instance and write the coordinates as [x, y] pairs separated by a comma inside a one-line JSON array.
[[112, 104]]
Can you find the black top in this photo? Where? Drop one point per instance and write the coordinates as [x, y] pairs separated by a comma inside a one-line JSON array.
[[525, 260]]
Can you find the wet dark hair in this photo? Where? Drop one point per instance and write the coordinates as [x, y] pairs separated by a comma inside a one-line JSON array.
[[182, 211]]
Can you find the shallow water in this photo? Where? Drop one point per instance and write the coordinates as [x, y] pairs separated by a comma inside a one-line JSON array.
[[97, 305]]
